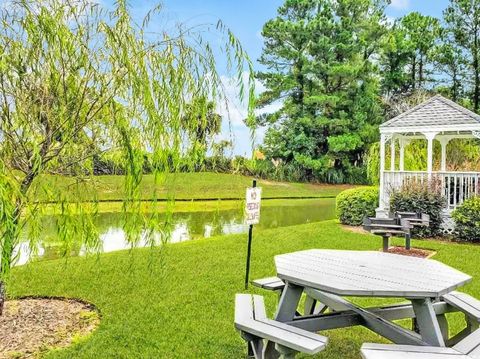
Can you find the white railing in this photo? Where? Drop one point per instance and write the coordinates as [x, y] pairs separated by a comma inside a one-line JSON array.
[[455, 186]]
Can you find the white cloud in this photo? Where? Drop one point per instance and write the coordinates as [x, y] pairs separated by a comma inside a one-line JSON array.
[[234, 112], [390, 20], [400, 4]]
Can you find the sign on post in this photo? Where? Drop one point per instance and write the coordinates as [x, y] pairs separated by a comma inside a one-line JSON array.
[[252, 205], [252, 216]]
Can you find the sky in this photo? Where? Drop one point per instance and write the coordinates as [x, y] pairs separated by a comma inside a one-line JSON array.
[[246, 18]]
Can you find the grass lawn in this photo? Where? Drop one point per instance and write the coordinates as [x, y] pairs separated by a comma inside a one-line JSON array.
[[179, 302], [198, 205], [187, 186]]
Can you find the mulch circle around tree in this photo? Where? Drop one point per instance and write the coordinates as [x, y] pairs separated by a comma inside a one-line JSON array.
[[31, 326]]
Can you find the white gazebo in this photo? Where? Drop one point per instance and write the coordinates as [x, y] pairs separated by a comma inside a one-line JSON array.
[[437, 119]]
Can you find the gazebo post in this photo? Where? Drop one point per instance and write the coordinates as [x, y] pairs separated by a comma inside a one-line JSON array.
[[430, 136], [403, 143], [444, 142], [392, 154], [381, 207]]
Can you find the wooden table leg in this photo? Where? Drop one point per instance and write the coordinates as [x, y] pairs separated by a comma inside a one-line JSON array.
[[386, 244], [427, 322], [287, 308], [288, 304], [408, 240]]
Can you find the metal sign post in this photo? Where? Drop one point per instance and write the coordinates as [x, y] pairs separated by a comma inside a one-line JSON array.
[[252, 216]]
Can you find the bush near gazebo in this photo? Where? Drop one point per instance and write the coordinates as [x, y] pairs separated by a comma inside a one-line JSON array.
[[467, 220], [356, 203], [421, 198]]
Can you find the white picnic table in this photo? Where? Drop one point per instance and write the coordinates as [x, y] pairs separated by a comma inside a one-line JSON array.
[[331, 276]]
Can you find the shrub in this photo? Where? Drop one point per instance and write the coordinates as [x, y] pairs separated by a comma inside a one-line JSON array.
[[421, 198], [356, 203], [467, 220]]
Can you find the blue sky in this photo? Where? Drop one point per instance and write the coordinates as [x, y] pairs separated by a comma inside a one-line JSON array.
[[246, 18]]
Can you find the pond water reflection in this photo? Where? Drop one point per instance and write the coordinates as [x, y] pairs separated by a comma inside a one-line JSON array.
[[184, 226]]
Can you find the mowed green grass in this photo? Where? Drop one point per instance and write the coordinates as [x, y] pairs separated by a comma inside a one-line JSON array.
[[179, 302], [186, 186]]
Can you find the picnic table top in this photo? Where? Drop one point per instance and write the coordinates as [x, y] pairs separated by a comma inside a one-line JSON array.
[[369, 273]]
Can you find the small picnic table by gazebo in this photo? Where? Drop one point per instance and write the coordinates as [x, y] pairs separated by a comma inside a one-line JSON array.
[[437, 119]]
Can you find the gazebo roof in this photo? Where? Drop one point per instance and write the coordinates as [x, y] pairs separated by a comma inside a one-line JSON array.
[[435, 114]]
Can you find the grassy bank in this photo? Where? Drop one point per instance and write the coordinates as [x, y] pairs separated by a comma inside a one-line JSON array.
[[189, 186], [179, 303]]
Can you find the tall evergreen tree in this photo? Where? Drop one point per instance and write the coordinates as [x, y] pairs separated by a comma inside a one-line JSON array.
[[320, 64], [422, 33], [450, 62], [462, 18], [395, 57]]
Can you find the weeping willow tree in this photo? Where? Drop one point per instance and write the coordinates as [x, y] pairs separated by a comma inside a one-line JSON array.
[[77, 80]]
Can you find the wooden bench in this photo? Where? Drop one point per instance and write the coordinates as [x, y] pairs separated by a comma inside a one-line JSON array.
[[391, 351], [468, 348], [416, 219], [469, 306], [274, 284], [470, 345], [388, 227], [255, 327], [467, 342], [465, 303]]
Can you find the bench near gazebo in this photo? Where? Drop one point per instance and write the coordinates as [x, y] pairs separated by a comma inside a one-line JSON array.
[[437, 119]]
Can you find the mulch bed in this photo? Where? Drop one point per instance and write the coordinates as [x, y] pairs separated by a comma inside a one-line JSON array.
[[31, 326], [413, 252]]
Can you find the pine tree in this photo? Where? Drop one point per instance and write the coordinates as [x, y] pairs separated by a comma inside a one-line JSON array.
[[320, 57], [462, 18]]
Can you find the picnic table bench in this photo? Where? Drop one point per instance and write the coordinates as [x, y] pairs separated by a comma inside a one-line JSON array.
[[417, 219], [251, 320], [466, 344], [388, 227], [468, 348], [400, 223]]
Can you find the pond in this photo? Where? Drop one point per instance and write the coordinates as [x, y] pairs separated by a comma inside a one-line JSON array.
[[184, 226]]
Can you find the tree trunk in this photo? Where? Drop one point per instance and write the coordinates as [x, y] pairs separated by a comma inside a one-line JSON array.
[[420, 72], [455, 86], [9, 240], [476, 70], [476, 93], [414, 70], [2, 296], [11, 234]]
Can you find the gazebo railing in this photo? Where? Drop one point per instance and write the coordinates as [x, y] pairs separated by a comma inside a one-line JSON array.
[[456, 187]]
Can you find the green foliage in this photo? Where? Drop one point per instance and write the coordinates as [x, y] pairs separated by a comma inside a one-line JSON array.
[[467, 220], [201, 124], [354, 204], [462, 18], [77, 81], [327, 84], [373, 163], [421, 198], [396, 54], [451, 62], [422, 33]]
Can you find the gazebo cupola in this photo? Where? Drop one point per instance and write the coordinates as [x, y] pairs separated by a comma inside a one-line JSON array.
[[437, 119]]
